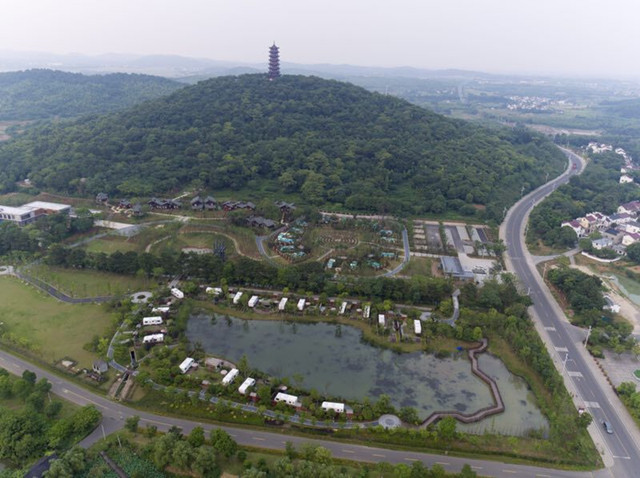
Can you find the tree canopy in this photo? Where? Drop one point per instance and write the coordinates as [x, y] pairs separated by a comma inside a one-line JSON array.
[[320, 140]]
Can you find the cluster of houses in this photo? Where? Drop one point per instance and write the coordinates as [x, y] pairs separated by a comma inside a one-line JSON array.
[[617, 231], [625, 177], [288, 243]]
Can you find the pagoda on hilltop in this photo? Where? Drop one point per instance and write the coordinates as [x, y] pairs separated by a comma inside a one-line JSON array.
[[274, 62]]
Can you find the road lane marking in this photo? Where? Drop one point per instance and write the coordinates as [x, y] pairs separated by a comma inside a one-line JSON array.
[[574, 374], [561, 349], [550, 329], [259, 438], [376, 454], [622, 457], [542, 476], [347, 451], [411, 459], [442, 463], [509, 471], [592, 404]]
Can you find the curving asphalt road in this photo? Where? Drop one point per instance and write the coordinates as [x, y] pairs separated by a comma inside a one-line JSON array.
[[584, 381]]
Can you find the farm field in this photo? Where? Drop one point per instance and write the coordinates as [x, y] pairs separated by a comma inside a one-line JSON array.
[[50, 328], [88, 283]]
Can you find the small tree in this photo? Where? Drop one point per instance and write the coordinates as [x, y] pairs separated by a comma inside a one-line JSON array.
[[131, 423]]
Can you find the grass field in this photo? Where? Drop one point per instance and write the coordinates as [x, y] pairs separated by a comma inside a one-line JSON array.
[[111, 244], [88, 283], [50, 328], [418, 266]]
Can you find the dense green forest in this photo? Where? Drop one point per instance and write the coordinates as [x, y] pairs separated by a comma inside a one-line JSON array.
[[317, 140], [44, 94]]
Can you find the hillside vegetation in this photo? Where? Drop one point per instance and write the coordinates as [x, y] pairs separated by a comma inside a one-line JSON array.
[[43, 94], [319, 141]]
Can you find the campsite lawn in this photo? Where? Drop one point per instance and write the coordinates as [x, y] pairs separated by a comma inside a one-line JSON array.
[[48, 327], [89, 283]]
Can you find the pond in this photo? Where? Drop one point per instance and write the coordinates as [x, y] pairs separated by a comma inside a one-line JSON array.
[[627, 286], [335, 361]]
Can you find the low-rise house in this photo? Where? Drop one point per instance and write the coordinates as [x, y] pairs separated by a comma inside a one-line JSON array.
[[615, 235], [248, 383], [136, 210], [156, 203], [632, 207], [210, 203], [102, 198], [100, 367], [620, 218], [601, 243], [186, 364], [631, 226], [630, 238], [197, 204], [124, 204], [576, 226], [259, 221], [230, 377]]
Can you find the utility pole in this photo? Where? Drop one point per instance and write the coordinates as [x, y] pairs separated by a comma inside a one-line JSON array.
[[522, 190], [586, 341]]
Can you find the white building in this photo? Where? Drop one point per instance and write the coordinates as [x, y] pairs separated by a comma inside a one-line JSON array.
[[153, 339], [26, 214], [336, 407], [230, 377], [249, 382], [343, 307], [253, 301], [236, 298], [417, 326], [282, 304], [288, 399], [367, 312], [301, 304], [630, 238], [599, 244], [151, 321], [177, 293], [186, 364], [625, 178]]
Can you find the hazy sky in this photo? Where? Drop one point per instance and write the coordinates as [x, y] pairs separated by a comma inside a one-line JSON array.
[[590, 37]]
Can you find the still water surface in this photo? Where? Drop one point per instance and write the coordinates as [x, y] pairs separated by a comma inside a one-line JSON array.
[[333, 360]]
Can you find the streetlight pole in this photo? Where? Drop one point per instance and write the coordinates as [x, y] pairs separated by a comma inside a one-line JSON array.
[[564, 363], [587, 339]]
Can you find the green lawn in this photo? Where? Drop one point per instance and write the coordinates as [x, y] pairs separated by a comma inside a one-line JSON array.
[[48, 327], [111, 244], [88, 283], [418, 266]]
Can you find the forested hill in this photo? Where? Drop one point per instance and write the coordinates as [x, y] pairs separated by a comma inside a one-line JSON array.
[[321, 141], [42, 94]]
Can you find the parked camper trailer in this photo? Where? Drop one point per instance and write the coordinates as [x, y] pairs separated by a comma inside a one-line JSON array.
[[288, 399], [230, 377], [333, 406], [253, 301], [282, 304], [301, 304], [186, 364], [177, 293], [417, 326], [151, 321], [249, 382]]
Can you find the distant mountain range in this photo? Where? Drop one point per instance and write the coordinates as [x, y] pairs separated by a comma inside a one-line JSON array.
[[175, 66]]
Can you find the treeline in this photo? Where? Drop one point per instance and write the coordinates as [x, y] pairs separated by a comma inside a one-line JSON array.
[[209, 268], [321, 141], [44, 94], [36, 426], [42, 233], [596, 189]]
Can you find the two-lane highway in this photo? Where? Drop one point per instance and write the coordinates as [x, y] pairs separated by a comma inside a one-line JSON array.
[[622, 453]]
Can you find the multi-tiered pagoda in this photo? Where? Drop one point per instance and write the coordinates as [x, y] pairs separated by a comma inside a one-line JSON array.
[[274, 62]]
